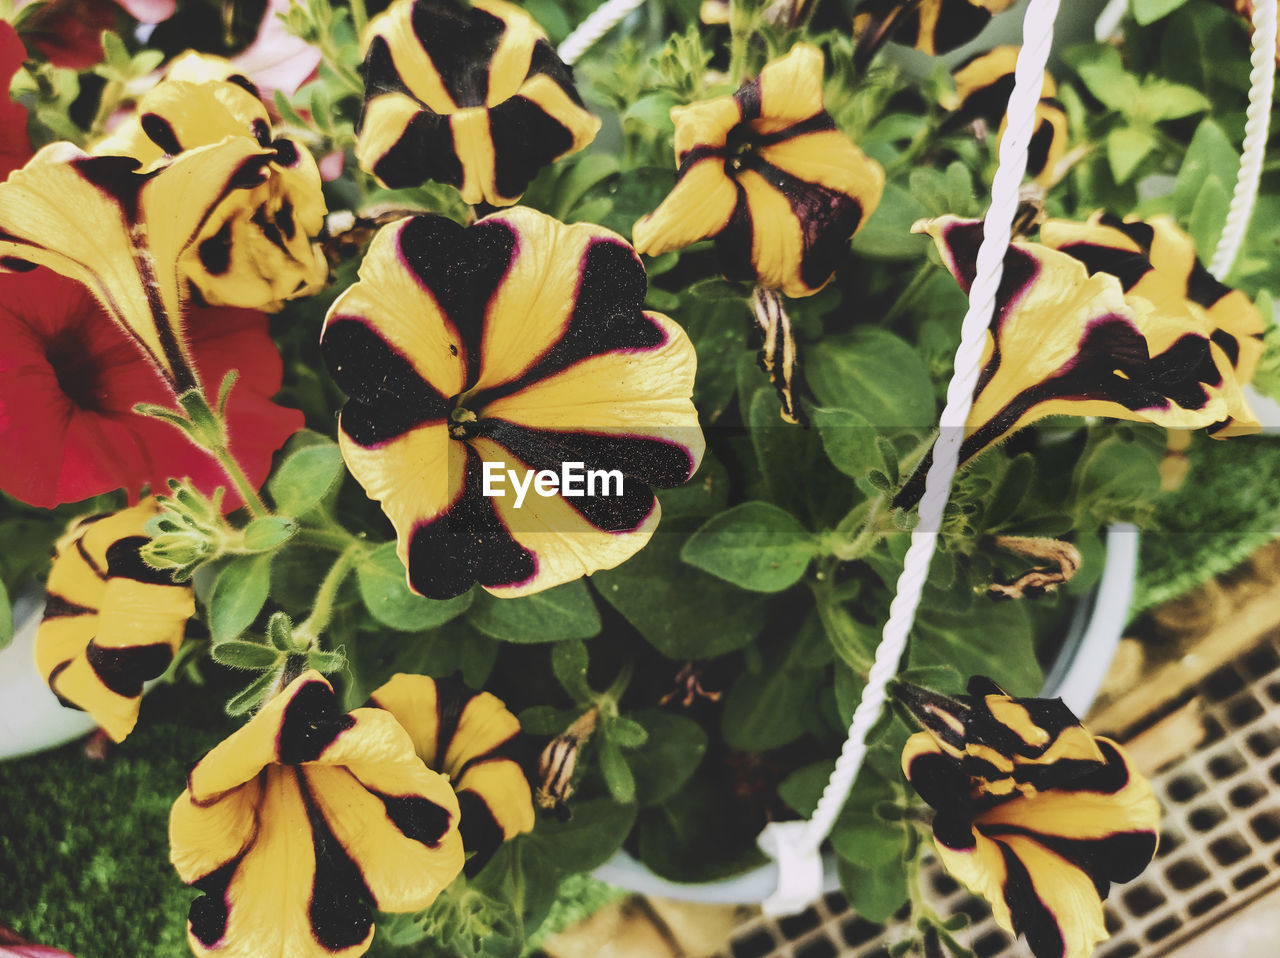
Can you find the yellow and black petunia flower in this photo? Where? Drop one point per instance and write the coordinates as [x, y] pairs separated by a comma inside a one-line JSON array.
[[299, 824], [256, 249], [767, 174], [1155, 260], [984, 84], [931, 26], [1068, 340], [124, 232], [111, 622], [1032, 812], [473, 739], [474, 358], [471, 95]]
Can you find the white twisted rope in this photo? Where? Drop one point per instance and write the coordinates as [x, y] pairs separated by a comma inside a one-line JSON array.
[[1262, 81], [795, 845], [603, 19]]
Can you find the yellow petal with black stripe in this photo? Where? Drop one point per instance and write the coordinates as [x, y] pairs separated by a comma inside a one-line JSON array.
[[767, 174], [122, 232], [931, 26], [110, 622], [305, 820], [984, 83], [472, 738], [522, 343], [1071, 818], [256, 249], [473, 96], [1064, 342], [1156, 261]]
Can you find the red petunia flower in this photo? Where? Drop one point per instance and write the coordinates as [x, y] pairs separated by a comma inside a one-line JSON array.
[[15, 145], [69, 378], [69, 32]]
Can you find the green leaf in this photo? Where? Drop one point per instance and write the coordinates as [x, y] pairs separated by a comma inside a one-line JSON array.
[[1162, 100], [1210, 153], [239, 592], [245, 655], [304, 477], [1149, 11], [547, 720], [665, 760], [694, 836], [1209, 216], [385, 592], [1104, 73], [617, 774], [672, 612], [754, 545], [990, 638], [564, 612], [848, 440], [765, 710], [327, 663], [874, 894], [877, 375], [887, 233], [269, 532], [1128, 146], [626, 733], [6, 618], [587, 840], [569, 664], [248, 697]]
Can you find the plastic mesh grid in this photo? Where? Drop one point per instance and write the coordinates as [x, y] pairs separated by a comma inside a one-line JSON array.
[[1219, 844]]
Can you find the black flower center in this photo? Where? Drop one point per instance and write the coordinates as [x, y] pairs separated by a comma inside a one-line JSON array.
[[463, 423], [77, 375], [739, 146]]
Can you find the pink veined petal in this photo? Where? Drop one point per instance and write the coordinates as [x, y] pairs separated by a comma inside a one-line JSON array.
[[276, 59], [149, 11]]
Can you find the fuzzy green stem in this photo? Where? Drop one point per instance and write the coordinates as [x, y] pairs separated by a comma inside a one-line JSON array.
[[231, 466], [307, 635], [331, 536], [359, 18]]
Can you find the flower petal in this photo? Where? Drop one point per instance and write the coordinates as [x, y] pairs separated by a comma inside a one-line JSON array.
[[789, 90], [122, 232], [473, 97], [474, 739], [931, 26], [699, 207], [111, 622], [15, 144]]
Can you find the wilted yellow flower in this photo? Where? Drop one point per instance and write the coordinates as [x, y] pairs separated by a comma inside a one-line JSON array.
[[1032, 812], [766, 174], [300, 823], [255, 250], [111, 622]]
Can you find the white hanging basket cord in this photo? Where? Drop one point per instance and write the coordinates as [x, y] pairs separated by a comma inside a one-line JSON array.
[[797, 848], [603, 19], [1262, 79]]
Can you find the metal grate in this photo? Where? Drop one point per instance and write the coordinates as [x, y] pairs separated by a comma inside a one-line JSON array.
[[1219, 844]]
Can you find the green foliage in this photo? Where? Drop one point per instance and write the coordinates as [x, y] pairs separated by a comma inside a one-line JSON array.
[[305, 477], [240, 590], [754, 545], [384, 590], [565, 612]]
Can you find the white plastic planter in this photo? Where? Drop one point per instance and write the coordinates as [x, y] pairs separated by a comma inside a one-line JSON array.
[[31, 717]]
